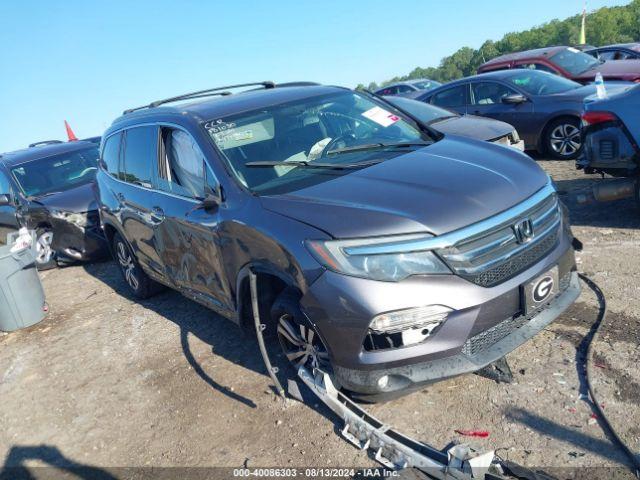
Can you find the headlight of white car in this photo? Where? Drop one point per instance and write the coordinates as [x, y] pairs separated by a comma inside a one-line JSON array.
[[389, 259]]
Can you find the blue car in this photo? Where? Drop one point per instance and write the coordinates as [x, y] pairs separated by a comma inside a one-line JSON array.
[[611, 132], [544, 108]]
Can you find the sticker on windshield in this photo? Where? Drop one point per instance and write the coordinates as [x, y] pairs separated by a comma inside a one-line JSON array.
[[381, 116], [574, 50]]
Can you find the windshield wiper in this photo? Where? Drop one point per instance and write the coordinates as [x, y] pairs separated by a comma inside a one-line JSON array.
[[376, 146], [305, 164]]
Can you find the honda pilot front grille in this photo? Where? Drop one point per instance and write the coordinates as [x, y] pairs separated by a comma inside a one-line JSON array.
[[503, 251]]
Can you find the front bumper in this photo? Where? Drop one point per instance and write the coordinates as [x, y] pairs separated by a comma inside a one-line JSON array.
[[341, 308], [74, 243], [414, 376]]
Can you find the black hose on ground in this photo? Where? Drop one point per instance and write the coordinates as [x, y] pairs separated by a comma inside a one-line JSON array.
[[588, 360]]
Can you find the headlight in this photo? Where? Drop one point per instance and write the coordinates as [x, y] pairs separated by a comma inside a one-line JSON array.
[[389, 259], [82, 220]]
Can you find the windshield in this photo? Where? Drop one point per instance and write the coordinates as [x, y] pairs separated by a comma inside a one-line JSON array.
[[535, 82], [426, 84], [291, 145], [424, 112], [574, 61], [57, 173]]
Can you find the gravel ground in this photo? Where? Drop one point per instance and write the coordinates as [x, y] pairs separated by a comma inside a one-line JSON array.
[[109, 382]]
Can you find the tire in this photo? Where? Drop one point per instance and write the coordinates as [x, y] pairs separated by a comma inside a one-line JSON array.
[[45, 256], [562, 138], [295, 333], [138, 282]]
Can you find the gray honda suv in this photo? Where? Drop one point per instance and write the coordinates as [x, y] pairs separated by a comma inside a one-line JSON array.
[[386, 253]]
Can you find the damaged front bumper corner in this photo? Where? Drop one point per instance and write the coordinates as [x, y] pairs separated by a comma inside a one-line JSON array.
[[391, 380]]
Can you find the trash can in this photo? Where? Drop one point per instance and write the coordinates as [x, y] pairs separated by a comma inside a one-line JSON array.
[[22, 301]]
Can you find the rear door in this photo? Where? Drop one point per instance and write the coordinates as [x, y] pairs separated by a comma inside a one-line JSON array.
[[135, 194], [8, 213], [486, 101], [187, 239]]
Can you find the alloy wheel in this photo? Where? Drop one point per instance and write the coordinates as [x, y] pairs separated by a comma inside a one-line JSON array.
[[44, 252], [565, 139], [128, 266], [301, 344]]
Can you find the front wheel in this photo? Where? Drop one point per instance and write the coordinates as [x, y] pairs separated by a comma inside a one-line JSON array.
[[563, 139], [300, 343], [45, 256]]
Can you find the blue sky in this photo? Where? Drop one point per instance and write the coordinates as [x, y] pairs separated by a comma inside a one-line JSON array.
[[88, 61]]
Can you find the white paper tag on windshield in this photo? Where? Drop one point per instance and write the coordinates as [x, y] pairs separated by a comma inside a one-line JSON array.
[[381, 116], [574, 50]]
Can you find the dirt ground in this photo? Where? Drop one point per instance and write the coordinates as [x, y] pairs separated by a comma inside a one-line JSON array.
[[108, 382]]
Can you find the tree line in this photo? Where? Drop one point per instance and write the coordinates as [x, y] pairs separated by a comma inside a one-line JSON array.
[[605, 26]]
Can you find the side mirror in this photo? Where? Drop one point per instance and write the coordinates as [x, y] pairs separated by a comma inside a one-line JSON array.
[[514, 99], [5, 200]]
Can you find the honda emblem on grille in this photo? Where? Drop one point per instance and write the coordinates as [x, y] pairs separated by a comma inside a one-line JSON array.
[[523, 230]]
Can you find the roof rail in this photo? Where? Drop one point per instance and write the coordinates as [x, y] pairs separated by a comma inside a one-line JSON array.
[[200, 94], [44, 142]]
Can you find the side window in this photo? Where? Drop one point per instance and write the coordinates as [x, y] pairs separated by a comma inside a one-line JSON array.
[[489, 93], [451, 97], [181, 166], [404, 89], [607, 55], [536, 66], [5, 186], [111, 154], [140, 155]]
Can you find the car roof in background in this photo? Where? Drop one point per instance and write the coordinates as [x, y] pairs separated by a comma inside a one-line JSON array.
[[535, 53], [34, 153], [494, 75], [218, 107], [635, 46]]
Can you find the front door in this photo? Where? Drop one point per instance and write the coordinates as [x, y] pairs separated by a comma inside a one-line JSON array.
[[8, 213], [187, 237], [486, 101]]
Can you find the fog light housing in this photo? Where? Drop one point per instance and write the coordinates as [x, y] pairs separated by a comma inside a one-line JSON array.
[[429, 317]]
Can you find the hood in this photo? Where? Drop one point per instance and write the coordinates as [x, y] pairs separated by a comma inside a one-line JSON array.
[[615, 69], [79, 199], [437, 189], [471, 126]]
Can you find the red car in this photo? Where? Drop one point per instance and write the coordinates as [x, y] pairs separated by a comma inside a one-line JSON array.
[[568, 62]]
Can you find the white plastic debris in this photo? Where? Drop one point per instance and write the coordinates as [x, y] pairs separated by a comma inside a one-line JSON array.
[[23, 241]]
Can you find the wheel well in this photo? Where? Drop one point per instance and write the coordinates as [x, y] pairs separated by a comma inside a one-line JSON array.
[[109, 232], [269, 287], [545, 130], [43, 226]]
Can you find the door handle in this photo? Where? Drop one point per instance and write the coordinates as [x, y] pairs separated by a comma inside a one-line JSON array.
[[157, 215]]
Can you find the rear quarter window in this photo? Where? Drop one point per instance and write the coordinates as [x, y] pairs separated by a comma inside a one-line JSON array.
[[111, 154]]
